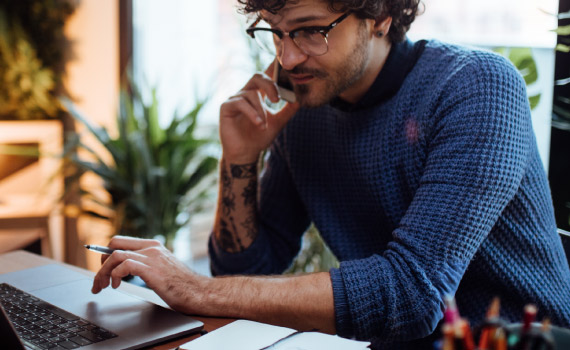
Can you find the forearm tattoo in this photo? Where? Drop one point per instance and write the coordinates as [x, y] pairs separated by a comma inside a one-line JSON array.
[[228, 197], [244, 171], [228, 236]]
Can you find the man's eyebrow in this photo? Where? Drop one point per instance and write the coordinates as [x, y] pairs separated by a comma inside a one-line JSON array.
[[305, 19], [298, 20]]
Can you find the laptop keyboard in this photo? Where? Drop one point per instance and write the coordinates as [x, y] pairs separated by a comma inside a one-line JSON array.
[[42, 325]]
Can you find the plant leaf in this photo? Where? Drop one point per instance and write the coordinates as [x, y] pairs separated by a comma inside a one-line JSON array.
[[562, 30], [534, 101], [562, 48]]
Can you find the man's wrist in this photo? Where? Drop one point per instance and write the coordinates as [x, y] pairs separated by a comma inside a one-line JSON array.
[[241, 159], [214, 299]]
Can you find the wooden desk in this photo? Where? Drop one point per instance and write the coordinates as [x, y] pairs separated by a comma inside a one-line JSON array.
[[19, 260]]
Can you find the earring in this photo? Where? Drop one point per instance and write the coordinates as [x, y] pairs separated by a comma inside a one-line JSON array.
[[379, 33]]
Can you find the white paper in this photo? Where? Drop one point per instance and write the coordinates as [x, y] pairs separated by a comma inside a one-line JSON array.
[[250, 335], [318, 341], [239, 335]]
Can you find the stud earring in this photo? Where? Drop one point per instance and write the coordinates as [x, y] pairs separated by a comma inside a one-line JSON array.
[[380, 34]]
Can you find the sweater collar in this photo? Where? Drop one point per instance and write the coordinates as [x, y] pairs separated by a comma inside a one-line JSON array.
[[401, 60]]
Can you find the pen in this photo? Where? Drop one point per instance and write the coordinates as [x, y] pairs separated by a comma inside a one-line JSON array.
[[99, 249]]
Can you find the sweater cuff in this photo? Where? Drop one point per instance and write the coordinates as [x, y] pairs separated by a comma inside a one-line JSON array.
[[244, 262], [343, 320]]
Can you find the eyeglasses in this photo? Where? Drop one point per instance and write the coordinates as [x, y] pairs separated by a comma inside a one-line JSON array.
[[311, 40]]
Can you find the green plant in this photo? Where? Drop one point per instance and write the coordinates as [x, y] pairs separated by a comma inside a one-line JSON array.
[[158, 175], [25, 84], [44, 22], [32, 45], [315, 255]]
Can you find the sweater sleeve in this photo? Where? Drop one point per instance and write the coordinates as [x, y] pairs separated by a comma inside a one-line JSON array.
[[282, 220], [477, 150]]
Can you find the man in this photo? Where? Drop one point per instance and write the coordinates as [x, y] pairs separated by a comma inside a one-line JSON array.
[[416, 161]]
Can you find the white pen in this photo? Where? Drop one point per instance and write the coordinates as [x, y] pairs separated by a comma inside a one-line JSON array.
[[99, 249]]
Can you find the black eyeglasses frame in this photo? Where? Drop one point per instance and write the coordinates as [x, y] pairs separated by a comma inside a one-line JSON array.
[[323, 30]]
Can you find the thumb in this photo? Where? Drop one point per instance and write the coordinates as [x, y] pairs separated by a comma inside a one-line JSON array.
[[285, 114]]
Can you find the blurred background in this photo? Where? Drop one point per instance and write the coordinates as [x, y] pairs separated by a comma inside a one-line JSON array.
[[109, 110]]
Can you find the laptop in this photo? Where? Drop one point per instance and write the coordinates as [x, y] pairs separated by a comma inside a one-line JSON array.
[[62, 313]]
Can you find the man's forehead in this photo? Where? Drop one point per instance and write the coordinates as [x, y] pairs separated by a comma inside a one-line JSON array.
[[297, 11]]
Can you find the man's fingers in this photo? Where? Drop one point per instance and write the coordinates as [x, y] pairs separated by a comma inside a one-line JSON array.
[[262, 82], [132, 243], [129, 243], [102, 277], [248, 104], [238, 105], [128, 267]]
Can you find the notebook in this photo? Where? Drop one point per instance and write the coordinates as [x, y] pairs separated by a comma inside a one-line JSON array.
[[251, 335], [112, 319]]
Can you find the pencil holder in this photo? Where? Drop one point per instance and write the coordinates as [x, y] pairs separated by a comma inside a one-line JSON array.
[[558, 338]]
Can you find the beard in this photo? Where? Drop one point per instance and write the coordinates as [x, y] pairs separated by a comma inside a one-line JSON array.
[[334, 82]]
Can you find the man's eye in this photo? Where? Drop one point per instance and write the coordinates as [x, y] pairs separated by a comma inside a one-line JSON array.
[[311, 31]]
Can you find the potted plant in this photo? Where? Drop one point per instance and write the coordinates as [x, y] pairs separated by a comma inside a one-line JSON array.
[[157, 175]]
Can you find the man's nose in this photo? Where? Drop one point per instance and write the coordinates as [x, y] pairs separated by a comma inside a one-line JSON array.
[[290, 55]]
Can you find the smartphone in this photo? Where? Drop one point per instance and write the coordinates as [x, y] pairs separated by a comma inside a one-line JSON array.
[[283, 85]]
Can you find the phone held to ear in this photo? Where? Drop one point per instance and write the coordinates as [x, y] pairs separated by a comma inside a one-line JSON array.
[[283, 85]]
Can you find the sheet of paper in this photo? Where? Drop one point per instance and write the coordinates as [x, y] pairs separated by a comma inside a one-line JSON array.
[[250, 335], [239, 335], [316, 340]]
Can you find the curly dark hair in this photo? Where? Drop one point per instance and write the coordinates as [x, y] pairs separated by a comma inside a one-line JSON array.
[[403, 12]]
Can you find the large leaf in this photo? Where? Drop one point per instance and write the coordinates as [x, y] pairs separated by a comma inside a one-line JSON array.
[[562, 48], [205, 168], [155, 132], [534, 101], [563, 30], [99, 132], [522, 59]]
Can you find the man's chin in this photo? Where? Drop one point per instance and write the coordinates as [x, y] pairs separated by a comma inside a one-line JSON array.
[[309, 98]]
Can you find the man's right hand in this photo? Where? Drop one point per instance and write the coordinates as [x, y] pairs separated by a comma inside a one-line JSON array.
[[247, 126]]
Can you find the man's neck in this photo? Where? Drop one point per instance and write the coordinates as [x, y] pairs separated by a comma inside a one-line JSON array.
[[375, 64]]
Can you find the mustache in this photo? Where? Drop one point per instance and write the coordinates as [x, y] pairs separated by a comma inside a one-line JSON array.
[[317, 73]]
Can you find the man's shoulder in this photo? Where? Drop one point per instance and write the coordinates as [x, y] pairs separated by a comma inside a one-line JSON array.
[[450, 67], [456, 57]]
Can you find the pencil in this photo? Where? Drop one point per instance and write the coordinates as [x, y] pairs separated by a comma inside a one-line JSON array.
[[488, 332]]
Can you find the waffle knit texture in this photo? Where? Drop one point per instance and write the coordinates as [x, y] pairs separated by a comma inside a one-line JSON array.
[[436, 190]]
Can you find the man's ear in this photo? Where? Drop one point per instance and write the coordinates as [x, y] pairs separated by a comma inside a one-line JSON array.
[[382, 26]]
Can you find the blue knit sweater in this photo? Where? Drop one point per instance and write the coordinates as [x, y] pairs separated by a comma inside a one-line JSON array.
[[435, 188]]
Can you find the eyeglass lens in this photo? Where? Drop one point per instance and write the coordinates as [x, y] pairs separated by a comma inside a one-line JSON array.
[[310, 42]]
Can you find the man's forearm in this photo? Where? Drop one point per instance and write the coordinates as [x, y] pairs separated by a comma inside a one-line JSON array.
[[300, 302], [235, 227]]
